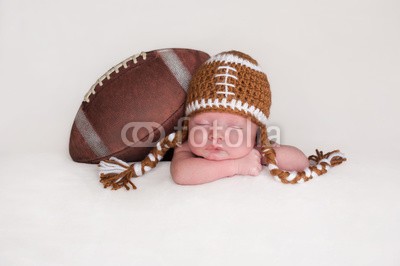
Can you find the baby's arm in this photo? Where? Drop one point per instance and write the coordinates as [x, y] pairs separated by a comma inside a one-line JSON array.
[[187, 169]]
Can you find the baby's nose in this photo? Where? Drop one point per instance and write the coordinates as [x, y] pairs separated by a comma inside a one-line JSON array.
[[216, 135]]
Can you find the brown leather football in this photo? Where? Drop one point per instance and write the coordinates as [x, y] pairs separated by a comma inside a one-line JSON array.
[[133, 105]]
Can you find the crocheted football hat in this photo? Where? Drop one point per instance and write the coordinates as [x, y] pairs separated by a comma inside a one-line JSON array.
[[230, 82]]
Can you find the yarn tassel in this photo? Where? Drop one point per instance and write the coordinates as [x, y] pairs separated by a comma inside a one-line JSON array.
[[116, 173], [319, 165]]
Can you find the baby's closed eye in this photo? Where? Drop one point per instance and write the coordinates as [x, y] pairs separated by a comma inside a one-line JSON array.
[[236, 127], [202, 124]]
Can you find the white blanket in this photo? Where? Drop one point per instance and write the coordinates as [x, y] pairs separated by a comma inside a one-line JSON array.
[[55, 212]]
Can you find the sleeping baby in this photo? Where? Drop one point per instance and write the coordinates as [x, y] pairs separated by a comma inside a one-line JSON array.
[[223, 145], [227, 106]]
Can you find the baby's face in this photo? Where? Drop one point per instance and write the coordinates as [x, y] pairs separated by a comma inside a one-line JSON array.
[[221, 136]]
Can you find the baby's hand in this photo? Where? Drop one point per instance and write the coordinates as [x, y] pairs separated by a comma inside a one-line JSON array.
[[249, 164]]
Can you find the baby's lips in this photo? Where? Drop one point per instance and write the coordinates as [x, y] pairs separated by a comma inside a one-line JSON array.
[[214, 147]]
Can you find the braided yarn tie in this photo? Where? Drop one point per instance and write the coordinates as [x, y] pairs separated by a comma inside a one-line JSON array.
[[319, 165], [116, 173]]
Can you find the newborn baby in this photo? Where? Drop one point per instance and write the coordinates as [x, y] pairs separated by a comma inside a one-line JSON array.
[[223, 145], [228, 101]]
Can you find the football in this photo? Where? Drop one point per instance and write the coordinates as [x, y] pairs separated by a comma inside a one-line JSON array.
[[133, 105]]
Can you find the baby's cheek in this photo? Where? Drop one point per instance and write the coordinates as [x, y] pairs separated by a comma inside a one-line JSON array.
[[239, 138], [233, 138], [197, 138]]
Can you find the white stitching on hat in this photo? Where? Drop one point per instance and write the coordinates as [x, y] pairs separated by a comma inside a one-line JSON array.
[[233, 104], [226, 84], [231, 58]]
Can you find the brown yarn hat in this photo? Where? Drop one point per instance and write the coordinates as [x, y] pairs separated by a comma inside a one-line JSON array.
[[230, 82]]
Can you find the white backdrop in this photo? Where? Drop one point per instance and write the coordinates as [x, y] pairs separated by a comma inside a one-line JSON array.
[[333, 67]]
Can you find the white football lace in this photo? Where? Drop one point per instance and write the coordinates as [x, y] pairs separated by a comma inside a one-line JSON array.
[[108, 73]]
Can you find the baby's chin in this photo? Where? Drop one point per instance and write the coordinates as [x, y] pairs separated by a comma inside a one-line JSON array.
[[217, 156]]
